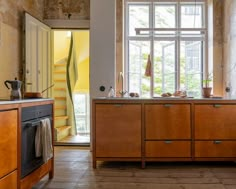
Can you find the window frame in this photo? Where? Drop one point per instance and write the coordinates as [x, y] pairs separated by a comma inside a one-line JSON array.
[[178, 37]]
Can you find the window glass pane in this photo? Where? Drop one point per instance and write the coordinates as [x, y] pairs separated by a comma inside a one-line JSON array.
[[191, 66], [81, 125], [191, 16], [164, 67], [80, 105], [138, 54], [165, 16], [138, 18]]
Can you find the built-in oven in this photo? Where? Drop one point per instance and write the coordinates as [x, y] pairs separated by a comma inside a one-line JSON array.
[[30, 120]]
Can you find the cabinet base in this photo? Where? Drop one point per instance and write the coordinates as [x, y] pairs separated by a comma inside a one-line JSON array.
[[30, 180]]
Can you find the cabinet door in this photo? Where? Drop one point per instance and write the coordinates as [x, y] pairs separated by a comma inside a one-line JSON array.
[[221, 149], [9, 181], [215, 121], [8, 142], [167, 121], [118, 130]]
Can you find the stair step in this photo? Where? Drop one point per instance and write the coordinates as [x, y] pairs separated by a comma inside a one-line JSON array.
[[62, 128], [60, 107], [59, 65], [60, 71], [59, 89], [60, 98], [61, 117], [61, 132], [60, 80]]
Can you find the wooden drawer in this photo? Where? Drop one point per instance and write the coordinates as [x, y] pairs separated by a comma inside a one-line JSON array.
[[8, 141], [168, 149], [215, 121], [167, 121], [9, 181], [215, 149]]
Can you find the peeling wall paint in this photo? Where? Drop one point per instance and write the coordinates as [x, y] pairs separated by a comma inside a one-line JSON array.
[[67, 9]]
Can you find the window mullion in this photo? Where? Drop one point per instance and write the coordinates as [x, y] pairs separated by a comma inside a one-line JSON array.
[[177, 47]]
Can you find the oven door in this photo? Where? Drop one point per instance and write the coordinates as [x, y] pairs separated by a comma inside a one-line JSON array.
[[29, 161]]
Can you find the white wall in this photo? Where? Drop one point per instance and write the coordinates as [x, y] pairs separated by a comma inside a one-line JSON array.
[[102, 46], [230, 46]]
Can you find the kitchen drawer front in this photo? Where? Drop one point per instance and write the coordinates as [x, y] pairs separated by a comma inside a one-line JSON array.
[[215, 149], [215, 121], [8, 141], [9, 181], [168, 149], [167, 121]]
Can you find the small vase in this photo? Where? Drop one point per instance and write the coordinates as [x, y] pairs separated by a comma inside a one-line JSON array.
[[206, 92]]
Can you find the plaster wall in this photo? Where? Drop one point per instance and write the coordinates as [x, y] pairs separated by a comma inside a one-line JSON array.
[[102, 46], [11, 37], [64, 9], [229, 44]]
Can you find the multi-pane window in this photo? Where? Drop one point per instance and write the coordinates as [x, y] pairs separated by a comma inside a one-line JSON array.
[[173, 33], [81, 113]]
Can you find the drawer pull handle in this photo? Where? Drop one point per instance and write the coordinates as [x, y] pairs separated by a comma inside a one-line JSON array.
[[118, 105], [168, 142], [217, 142], [167, 105], [216, 105]]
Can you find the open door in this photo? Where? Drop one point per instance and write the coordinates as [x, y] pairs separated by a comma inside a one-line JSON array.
[[37, 68]]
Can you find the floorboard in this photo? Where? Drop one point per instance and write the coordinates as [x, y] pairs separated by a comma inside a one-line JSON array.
[[73, 170]]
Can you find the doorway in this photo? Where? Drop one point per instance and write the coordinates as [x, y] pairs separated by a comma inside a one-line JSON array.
[[71, 87]]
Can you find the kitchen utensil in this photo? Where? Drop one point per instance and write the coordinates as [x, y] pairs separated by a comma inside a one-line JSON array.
[[15, 88], [36, 94]]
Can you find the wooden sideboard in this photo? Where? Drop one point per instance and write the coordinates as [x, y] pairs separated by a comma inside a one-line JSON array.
[[10, 147], [163, 130]]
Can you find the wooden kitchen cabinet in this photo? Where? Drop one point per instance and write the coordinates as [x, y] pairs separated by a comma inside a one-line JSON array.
[[167, 149], [214, 149], [215, 121], [167, 121], [8, 146], [167, 130], [163, 130], [215, 130], [9, 181], [118, 130]]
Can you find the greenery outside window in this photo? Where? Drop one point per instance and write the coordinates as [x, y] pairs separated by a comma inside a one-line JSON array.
[[174, 34]]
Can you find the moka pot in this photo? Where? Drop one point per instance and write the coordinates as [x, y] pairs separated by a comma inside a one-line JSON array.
[[15, 88]]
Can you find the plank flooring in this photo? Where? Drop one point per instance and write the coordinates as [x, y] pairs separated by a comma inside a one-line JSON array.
[[73, 170]]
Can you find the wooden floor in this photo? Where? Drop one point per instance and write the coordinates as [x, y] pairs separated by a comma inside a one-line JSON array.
[[75, 140], [73, 170]]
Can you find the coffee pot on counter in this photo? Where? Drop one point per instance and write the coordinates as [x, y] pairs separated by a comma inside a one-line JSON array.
[[15, 88]]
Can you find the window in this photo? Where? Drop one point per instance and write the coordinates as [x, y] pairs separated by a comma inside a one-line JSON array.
[[81, 103], [174, 34]]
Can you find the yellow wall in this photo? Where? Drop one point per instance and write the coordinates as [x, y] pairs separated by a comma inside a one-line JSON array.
[[82, 48], [81, 44], [82, 84], [61, 45]]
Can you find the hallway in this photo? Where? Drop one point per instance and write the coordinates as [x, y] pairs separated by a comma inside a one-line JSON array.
[[73, 170]]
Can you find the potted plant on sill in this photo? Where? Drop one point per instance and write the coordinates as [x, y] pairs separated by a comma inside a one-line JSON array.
[[206, 89]]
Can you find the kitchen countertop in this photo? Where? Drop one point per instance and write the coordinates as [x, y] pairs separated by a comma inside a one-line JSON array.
[[216, 98], [8, 101]]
